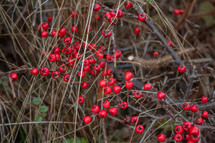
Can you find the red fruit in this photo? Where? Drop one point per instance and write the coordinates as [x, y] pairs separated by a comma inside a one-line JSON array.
[[161, 95], [106, 104], [128, 75], [38, 27], [178, 137], [78, 56], [199, 121], [45, 26], [195, 138], [134, 120], [155, 54], [67, 50], [62, 68], [102, 64], [102, 114], [91, 60], [106, 33], [52, 57], [102, 83], [97, 17], [53, 33], [44, 71], [194, 130], [181, 68], [179, 129], [34, 71], [86, 68], [56, 50], [87, 119], [13, 77], [74, 29], [113, 13], [111, 81], [73, 14], [104, 73], [44, 33], [67, 40], [49, 18], [77, 45], [66, 77], [118, 53], [181, 11], [81, 73], [58, 58], [80, 99], [142, 17], [107, 17], [186, 126], [92, 46], [161, 138], [119, 14], [113, 111], [70, 62], [147, 86], [186, 106], [129, 84], [93, 72], [117, 89], [96, 7], [169, 43], [127, 4], [107, 90], [95, 108], [190, 141], [139, 129], [136, 30], [114, 20], [109, 72], [84, 84], [63, 31], [194, 108], [176, 11], [205, 114], [138, 94], [55, 74], [97, 67], [124, 105], [187, 137], [204, 99], [86, 62]]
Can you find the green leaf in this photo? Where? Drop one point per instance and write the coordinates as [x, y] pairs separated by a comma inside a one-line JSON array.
[[44, 108], [43, 114], [148, 1], [39, 119], [78, 140], [1, 82], [36, 101]]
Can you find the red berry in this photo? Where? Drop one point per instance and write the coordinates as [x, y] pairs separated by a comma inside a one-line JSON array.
[[113, 111], [91, 60], [129, 84], [78, 56], [114, 20], [190, 141], [53, 33], [102, 83], [187, 137], [195, 138], [49, 18], [102, 64], [81, 73], [205, 114], [44, 71], [186, 126], [96, 7], [142, 17], [138, 94], [66, 77], [117, 89], [107, 90], [52, 57], [106, 33], [58, 58], [73, 14], [45, 26], [44, 33], [56, 50], [111, 81], [97, 17], [118, 53], [80, 99], [67, 40], [128, 75], [55, 74], [84, 84], [104, 73], [124, 105], [70, 62], [170, 43], [74, 29], [87, 119], [176, 11], [204, 99], [107, 17], [13, 77], [186, 106], [102, 114], [86, 68], [179, 129], [109, 72], [95, 108], [194, 130], [77, 45], [155, 54], [106, 104], [147, 86], [119, 14], [127, 4], [199, 121], [93, 72], [113, 13], [161, 138], [139, 129], [134, 120], [62, 31], [97, 67], [161, 95], [194, 108], [181, 11], [136, 30], [181, 68], [62, 68], [34, 71], [178, 137]]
